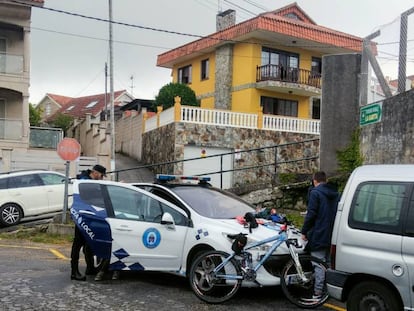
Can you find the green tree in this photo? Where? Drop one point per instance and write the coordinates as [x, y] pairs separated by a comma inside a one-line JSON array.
[[168, 92], [62, 121], [34, 115]]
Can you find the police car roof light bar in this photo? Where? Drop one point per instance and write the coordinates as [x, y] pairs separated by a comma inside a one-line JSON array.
[[165, 178]]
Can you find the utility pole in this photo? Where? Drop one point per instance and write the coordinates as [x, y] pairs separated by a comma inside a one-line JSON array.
[[402, 61], [111, 88], [106, 92]]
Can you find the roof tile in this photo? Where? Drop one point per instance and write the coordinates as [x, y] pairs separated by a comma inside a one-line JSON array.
[[80, 104], [274, 21]]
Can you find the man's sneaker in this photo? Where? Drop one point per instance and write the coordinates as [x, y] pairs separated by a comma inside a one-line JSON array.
[[313, 299], [115, 275], [100, 276]]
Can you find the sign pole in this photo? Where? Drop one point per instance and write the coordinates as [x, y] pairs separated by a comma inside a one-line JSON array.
[[65, 199], [69, 150]]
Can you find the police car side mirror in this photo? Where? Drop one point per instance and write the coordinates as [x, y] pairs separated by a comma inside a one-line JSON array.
[[167, 219]]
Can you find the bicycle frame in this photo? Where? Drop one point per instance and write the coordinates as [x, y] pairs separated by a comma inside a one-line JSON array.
[[277, 240]]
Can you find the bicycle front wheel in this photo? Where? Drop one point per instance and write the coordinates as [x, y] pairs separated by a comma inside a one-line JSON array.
[[299, 291], [215, 287]]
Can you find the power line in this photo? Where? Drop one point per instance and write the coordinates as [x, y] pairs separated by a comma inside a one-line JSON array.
[[257, 5], [179, 33]]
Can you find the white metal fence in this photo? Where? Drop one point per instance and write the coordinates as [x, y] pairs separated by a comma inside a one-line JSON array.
[[199, 115]]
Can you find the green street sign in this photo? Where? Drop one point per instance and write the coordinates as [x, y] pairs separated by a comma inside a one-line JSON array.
[[370, 114]]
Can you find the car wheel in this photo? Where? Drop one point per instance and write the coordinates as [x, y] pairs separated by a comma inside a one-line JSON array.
[[372, 295], [10, 214]]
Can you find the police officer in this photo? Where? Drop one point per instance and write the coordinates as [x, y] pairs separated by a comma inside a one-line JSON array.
[[98, 172]]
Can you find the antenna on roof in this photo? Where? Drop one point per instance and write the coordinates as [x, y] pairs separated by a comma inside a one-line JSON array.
[[132, 85]]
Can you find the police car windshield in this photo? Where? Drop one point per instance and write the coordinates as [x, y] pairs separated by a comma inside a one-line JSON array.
[[213, 203]]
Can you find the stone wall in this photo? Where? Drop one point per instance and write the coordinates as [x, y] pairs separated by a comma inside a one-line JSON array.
[[167, 143], [224, 77], [390, 141]]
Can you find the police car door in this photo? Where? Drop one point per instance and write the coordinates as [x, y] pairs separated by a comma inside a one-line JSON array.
[[141, 241]]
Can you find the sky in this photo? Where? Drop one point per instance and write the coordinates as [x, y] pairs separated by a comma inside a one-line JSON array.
[[69, 52]]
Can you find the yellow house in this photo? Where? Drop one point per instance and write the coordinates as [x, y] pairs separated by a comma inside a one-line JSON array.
[[270, 63]]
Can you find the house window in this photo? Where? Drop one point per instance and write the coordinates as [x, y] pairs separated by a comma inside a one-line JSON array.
[[279, 106], [316, 108], [280, 65], [205, 68], [91, 104], [316, 65], [2, 55], [48, 109], [184, 75], [2, 117], [2, 108]]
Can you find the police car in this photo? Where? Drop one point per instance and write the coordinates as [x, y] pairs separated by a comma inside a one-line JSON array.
[[165, 225]]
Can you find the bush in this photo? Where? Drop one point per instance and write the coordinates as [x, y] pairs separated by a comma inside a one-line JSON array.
[[168, 92]]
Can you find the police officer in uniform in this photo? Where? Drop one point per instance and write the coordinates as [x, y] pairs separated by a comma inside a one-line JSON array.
[[98, 172]]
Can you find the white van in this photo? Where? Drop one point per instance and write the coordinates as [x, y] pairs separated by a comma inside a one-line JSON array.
[[373, 240]]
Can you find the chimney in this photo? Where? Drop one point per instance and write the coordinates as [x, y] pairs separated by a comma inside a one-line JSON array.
[[225, 19]]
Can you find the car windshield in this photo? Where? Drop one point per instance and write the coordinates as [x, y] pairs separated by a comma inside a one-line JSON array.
[[213, 203]]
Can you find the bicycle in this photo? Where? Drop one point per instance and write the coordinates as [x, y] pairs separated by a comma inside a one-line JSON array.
[[216, 276]]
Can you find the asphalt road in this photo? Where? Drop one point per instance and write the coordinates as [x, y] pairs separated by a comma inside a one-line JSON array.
[[37, 277]]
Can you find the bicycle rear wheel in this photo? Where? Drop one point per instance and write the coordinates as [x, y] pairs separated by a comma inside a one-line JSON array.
[[215, 287], [295, 289]]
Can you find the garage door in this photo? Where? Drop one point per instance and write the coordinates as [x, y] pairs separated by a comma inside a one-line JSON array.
[[209, 165]]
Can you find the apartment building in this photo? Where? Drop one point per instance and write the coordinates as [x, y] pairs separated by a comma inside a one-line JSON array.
[[15, 72]]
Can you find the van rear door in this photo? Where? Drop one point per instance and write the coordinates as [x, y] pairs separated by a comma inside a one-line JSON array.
[[374, 231], [408, 253]]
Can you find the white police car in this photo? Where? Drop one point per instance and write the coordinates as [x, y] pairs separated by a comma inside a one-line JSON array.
[[164, 226]]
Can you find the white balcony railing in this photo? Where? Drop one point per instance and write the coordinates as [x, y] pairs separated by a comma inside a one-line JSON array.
[[286, 124], [11, 64], [190, 114], [218, 117]]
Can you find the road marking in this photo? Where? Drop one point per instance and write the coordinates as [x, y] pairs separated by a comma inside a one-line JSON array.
[[333, 307], [58, 254], [52, 250]]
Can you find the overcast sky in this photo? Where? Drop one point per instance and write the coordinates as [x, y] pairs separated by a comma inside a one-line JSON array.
[[68, 52]]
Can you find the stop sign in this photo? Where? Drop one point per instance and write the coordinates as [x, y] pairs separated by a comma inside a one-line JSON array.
[[69, 149]]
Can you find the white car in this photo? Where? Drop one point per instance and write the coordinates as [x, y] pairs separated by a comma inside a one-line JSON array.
[[30, 193], [164, 226]]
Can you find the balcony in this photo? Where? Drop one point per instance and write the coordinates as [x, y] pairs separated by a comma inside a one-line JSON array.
[[11, 64], [292, 80]]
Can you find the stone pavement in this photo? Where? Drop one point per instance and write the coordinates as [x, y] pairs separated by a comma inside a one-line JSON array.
[[36, 277]]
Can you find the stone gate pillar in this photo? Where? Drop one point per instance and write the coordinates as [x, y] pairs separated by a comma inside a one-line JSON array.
[[339, 106]]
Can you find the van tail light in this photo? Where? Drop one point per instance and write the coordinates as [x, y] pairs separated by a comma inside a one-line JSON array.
[[333, 256]]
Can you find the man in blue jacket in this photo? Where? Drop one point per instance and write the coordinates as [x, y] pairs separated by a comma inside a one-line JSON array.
[[318, 224]]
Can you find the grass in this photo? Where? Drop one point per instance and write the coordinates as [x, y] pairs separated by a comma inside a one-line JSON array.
[[37, 235], [296, 218]]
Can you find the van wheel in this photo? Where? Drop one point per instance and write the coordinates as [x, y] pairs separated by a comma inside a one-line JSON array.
[[371, 295], [10, 214]]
